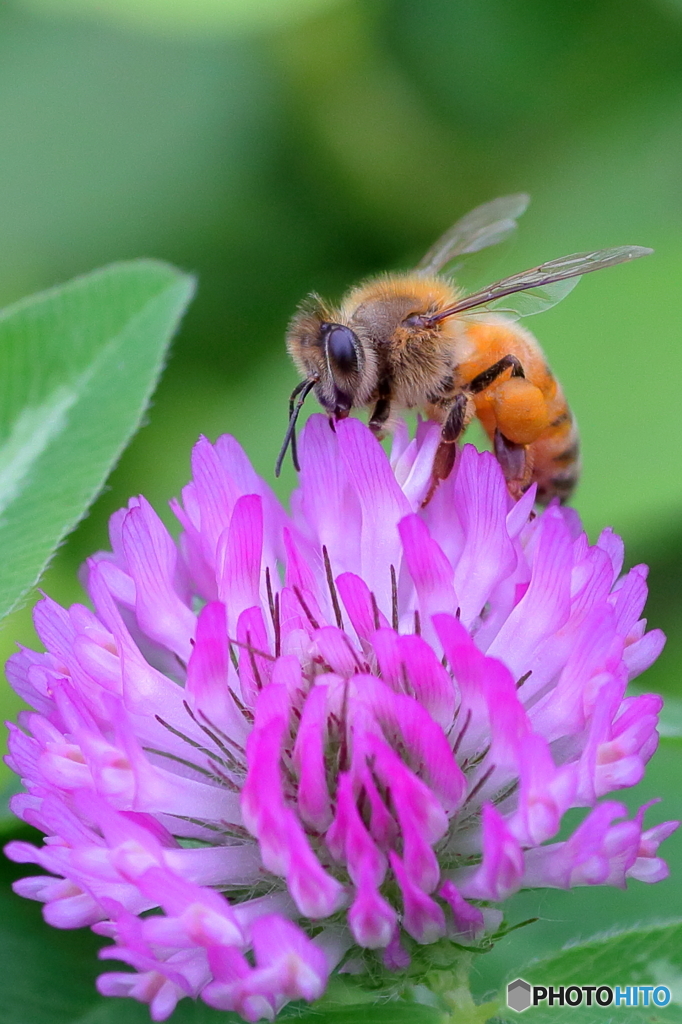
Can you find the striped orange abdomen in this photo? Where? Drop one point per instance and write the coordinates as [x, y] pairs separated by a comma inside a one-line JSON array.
[[531, 411]]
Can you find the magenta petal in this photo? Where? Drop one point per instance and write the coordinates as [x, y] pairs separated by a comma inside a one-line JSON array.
[[382, 505], [470, 670], [414, 802], [488, 554], [467, 918], [209, 667], [216, 495], [427, 679], [287, 961], [348, 839], [314, 801], [423, 919], [412, 461], [643, 653], [611, 543], [327, 498], [383, 826], [315, 892], [255, 659], [396, 957], [152, 559], [501, 872], [545, 607], [239, 556], [545, 793], [364, 615], [402, 717], [372, 920], [597, 852], [333, 647], [429, 568]]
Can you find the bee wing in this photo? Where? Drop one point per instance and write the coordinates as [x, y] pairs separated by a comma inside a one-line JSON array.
[[542, 287], [486, 225]]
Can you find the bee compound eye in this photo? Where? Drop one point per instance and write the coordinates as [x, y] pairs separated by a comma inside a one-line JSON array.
[[342, 348]]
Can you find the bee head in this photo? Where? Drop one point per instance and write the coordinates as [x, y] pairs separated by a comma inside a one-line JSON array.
[[333, 355]]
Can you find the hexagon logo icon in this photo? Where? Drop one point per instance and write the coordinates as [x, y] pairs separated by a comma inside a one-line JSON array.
[[518, 995]]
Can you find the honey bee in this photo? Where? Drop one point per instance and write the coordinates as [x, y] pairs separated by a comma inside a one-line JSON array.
[[413, 340]]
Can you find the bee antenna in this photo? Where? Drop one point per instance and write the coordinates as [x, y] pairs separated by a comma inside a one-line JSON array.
[[300, 392]]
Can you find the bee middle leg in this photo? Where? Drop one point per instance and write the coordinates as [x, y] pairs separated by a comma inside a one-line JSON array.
[[513, 458], [458, 418]]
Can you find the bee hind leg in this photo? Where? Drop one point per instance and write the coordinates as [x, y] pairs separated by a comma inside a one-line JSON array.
[[516, 462], [459, 415], [483, 380]]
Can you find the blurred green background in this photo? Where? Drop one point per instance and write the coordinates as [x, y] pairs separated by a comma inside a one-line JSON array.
[[279, 146]]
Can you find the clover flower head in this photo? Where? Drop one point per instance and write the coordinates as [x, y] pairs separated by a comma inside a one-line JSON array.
[[294, 743]]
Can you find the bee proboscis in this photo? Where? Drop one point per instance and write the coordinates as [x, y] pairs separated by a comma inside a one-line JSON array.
[[413, 340]]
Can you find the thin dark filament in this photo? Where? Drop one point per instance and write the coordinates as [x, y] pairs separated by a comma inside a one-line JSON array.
[[289, 774], [522, 680], [502, 932], [278, 628], [271, 599], [394, 599], [332, 587], [236, 830], [189, 741], [273, 602], [417, 623], [233, 657], [460, 737], [506, 793], [181, 760], [479, 785], [375, 610], [407, 685], [254, 664], [360, 665], [229, 783], [246, 713], [309, 615], [254, 650], [301, 391], [217, 735], [343, 744], [199, 823], [476, 760]]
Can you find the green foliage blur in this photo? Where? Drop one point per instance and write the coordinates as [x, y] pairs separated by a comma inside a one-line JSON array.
[[277, 146]]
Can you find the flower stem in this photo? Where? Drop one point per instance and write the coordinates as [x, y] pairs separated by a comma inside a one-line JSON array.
[[452, 988]]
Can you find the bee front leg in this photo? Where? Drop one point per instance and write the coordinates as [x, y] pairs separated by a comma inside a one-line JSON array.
[[458, 418], [381, 413], [380, 417]]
